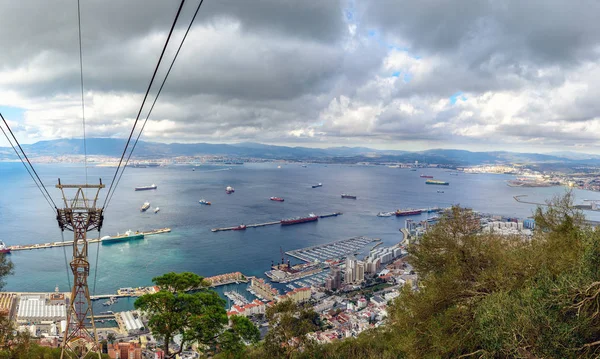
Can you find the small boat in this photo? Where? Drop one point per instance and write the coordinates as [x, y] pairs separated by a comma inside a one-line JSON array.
[[229, 190], [145, 206], [278, 166], [193, 169], [156, 210], [205, 202], [146, 188], [425, 176], [348, 196], [277, 199], [413, 169], [440, 191], [4, 248], [386, 214], [317, 185], [241, 227]]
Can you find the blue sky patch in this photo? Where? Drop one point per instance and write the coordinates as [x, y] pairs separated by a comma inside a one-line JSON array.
[[12, 113], [457, 96]]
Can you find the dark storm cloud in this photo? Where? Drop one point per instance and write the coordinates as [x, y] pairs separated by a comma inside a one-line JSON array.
[[323, 72], [512, 31]]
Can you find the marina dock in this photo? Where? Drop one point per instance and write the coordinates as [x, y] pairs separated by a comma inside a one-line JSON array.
[[332, 250], [335, 214], [70, 243]]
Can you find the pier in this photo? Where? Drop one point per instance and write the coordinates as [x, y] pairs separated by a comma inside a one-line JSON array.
[[70, 243], [335, 214], [520, 199]]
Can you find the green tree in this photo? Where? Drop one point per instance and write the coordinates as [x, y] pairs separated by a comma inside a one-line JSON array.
[[289, 323], [6, 269], [185, 307], [110, 337]]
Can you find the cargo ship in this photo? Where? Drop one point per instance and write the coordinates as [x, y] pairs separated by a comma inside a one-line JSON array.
[[229, 190], [129, 235], [204, 202], [277, 199], [241, 227], [425, 176], [317, 185], [311, 218], [4, 248], [145, 206], [431, 181], [408, 212], [146, 188], [348, 196]]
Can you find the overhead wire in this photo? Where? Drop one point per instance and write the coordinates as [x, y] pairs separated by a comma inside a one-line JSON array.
[[82, 92], [96, 266], [157, 95], [62, 233], [27, 168], [143, 102], [84, 143], [28, 161]]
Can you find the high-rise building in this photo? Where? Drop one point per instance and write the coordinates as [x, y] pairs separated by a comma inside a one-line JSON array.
[[329, 283], [336, 274], [334, 280], [360, 272], [349, 276]]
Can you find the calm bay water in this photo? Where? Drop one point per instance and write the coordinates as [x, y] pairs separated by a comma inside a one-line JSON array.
[[26, 218]]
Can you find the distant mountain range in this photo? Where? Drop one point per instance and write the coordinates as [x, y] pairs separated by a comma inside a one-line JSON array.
[[152, 150]]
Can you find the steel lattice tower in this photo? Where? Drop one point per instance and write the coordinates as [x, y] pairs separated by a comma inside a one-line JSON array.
[[80, 215]]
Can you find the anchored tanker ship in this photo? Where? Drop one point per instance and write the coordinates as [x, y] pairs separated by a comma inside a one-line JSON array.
[[408, 212], [311, 218]]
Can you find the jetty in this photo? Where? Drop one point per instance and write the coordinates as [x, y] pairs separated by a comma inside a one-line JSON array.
[[23, 247], [334, 214]]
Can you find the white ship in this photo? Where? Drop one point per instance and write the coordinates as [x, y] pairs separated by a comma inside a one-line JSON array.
[[385, 214]]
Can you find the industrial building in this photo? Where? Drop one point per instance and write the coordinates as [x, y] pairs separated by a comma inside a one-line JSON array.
[[131, 322], [37, 309], [7, 302]]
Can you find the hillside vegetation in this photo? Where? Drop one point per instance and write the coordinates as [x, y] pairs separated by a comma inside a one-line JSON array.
[[489, 296]]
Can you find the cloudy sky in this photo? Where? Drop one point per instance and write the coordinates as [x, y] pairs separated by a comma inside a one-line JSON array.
[[474, 74]]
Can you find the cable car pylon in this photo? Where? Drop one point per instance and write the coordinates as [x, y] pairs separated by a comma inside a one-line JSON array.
[[80, 215]]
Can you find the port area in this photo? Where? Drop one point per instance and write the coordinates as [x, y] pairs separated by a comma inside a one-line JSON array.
[[334, 214], [331, 251], [70, 243]]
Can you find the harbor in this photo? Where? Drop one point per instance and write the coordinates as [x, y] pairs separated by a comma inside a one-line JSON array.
[[334, 214], [331, 251], [95, 240]]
